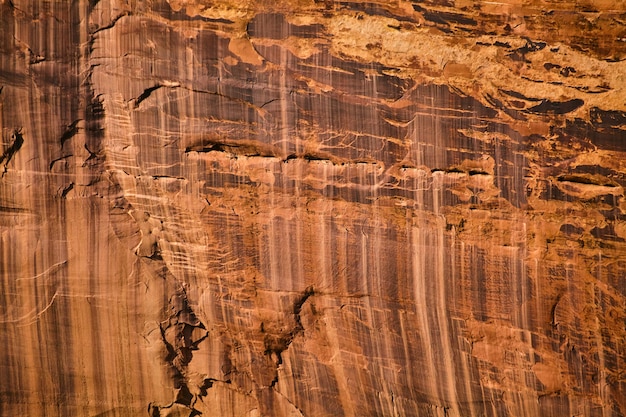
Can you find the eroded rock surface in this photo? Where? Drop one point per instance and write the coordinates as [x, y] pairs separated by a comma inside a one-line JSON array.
[[308, 208]]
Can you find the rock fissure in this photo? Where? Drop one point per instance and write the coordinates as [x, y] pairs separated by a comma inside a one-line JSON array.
[[110, 25], [181, 334], [14, 147], [70, 131], [61, 158], [146, 93], [277, 343]]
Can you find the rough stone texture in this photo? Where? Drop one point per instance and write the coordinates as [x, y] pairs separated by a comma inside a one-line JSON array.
[[307, 208]]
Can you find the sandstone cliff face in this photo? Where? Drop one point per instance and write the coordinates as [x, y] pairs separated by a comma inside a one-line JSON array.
[[306, 208]]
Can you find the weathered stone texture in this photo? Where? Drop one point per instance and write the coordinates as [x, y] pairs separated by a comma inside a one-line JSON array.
[[337, 208]]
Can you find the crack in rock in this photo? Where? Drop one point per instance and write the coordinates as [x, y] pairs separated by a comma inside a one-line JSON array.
[[181, 333], [275, 345], [112, 24], [70, 131], [16, 145]]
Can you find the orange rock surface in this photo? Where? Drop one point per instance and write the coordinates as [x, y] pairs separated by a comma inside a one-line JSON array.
[[312, 208]]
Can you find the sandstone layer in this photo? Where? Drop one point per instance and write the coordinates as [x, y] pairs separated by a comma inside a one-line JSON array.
[[313, 208]]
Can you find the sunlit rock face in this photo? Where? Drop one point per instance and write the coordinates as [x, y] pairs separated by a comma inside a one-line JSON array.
[[301, 208]]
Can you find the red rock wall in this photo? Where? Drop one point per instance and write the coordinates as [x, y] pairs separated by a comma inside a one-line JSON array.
[[312, 208]]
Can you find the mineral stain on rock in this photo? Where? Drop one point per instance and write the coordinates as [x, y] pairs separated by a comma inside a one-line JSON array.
[[307, 208]]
